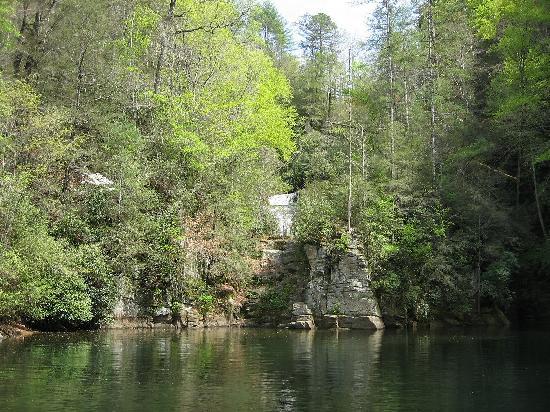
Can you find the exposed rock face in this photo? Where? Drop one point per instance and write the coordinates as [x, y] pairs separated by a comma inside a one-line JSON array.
[[126, 307], [302, 317], [282, 258], [128, 314], [339, 292], [330, 291], [191, 318]]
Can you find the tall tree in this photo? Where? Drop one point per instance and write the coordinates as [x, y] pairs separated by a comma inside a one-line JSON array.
[[317, 91]]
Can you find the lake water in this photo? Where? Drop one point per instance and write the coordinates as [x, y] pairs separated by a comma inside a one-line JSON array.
[[268, 370]]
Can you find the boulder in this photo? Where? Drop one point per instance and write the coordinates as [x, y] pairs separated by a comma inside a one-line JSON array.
[[191, 317], [301, 309], [302, 324], [329, 322], [302, 317], [162, 315], [367, 322]]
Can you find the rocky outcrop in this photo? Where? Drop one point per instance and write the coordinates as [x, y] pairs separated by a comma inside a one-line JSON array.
[[328, 290], [302, 317], [282, 259], [128, 314], [14, 330], [126, 307], [338, 291], [188, 317]]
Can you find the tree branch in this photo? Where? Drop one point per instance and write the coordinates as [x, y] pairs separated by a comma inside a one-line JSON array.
[[500, 172]]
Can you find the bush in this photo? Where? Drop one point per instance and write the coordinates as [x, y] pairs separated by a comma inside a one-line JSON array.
[[91, 265], [205, 304], [274, 304], [318, 216], [39, 279]]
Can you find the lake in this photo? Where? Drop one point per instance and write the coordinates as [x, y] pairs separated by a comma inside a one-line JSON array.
[[277, 370]]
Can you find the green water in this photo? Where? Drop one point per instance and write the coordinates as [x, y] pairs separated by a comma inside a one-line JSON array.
[[264, 370]]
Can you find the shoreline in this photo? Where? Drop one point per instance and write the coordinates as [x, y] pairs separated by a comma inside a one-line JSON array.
[[15, 330]]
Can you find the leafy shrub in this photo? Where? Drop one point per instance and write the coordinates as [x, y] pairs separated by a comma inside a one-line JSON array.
[[274, 304], [318, 214], [205, 304], [39, 279], [92, 265]]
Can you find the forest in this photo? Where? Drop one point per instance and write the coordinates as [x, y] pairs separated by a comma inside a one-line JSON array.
[[137, 136]]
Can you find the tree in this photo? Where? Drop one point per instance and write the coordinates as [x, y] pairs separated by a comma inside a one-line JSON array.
[[272, 29], [317, 86]]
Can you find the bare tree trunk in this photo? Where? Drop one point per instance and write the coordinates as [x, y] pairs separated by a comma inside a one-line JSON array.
[[536, 192], [18, 57], [31, 63], [432, 63], [80, 76], [518, 179], [407, 114], [349, 142], [163, 45], [392, 93], [363, 155]]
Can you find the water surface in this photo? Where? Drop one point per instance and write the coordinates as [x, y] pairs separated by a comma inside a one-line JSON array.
[[266, 370]]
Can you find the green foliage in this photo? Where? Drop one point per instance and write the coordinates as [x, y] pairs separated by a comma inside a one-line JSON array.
[[317, 158], [40, 279], [496, 279], [7, 27], [205, 304], [269, 26], [319, 213], [188, 112], [336, 310], [192, 160], [92, 265], [274, 304]]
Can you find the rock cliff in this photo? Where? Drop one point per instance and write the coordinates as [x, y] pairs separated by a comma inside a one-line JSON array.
[[338, 291], [302, 286]]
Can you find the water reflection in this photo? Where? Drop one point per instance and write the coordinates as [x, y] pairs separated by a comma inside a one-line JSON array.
[[269, 370]]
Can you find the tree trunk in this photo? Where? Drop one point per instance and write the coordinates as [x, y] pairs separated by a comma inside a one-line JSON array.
[[536, 193], [518, 180], [163, 45], [18, 57], [80, 76], [349, 142], [392, 94], [363, 155], [407, 115], [432, 64], [33, 34]]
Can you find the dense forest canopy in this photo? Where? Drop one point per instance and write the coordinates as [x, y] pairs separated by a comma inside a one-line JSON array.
[[139, 137]]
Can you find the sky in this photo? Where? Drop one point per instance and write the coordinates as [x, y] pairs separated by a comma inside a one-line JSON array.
[[351, 18]]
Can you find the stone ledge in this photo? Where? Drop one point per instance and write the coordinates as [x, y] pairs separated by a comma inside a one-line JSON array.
[[350, 322]]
